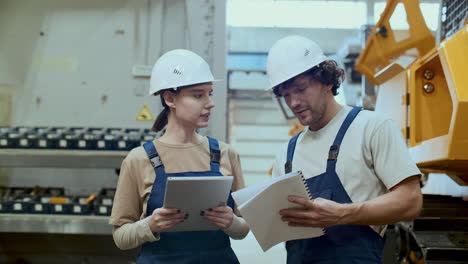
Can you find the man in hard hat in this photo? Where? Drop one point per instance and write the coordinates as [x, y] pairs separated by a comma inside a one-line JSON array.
[[355, 162]]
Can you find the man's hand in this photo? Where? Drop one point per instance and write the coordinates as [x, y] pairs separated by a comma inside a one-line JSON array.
[[403, 202], [164, 218], [221, 216], [317, 213]]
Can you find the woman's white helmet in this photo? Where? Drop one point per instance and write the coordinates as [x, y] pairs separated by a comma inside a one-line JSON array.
[[178, 68], [291, 56]]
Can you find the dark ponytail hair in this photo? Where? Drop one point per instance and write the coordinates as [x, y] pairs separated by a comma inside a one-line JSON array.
[[163, 117]]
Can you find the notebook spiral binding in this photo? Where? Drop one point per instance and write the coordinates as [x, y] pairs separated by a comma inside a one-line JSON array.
[[305, 184], [309, 194]]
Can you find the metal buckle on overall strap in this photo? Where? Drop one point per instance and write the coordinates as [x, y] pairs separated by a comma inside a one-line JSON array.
[[333, 153], [215, 155], [155, 160], [288, 166]]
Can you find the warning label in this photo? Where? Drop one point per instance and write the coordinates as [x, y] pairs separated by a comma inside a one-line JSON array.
[[144, 114]]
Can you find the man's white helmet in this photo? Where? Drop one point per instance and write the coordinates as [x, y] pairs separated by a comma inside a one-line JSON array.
[[178, 68], [291, 56]]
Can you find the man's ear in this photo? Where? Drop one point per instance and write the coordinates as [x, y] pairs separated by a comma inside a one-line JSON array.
[[169, 98]]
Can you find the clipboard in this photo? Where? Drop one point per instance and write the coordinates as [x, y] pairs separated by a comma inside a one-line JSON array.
[[194, 194]]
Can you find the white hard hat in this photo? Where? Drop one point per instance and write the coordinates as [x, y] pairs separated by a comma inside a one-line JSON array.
[[291, 56], [178, 68]]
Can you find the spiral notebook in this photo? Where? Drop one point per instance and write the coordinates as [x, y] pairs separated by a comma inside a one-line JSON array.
[[260, 205]]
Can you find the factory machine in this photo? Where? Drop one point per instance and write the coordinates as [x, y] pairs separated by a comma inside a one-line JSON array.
[[74, 79], [423, 85]]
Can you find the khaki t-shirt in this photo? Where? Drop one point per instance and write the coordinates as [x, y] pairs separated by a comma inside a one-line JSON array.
[[137, 175]]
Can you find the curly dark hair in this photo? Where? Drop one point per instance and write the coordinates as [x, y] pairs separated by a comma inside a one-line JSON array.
[[327, 72]]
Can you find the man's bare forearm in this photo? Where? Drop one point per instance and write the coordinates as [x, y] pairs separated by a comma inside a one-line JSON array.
[[403, 202]]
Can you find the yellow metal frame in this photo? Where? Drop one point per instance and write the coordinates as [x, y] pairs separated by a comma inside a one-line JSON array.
[[439, 120], [430, 112], [382, 48]]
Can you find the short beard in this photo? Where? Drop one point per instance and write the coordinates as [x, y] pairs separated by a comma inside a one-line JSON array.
[[318, 115]]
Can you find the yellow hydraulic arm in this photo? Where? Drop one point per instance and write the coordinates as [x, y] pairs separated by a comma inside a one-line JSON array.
[[383, 46]]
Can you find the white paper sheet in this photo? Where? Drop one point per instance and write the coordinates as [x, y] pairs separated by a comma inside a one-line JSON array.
[[260, 205]]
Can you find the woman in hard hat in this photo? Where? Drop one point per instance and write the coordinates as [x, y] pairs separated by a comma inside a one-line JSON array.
[[183, 81]]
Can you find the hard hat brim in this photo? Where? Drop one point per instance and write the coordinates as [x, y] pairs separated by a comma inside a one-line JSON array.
[[174, 88]]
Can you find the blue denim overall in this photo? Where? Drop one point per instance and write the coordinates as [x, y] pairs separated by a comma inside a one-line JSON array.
[[342, 244], [185, 247]]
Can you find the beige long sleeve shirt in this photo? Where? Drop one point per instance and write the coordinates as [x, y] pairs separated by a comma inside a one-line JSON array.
[[136, 180]]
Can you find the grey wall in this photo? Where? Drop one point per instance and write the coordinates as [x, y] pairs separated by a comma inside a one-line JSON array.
[[69, 63]]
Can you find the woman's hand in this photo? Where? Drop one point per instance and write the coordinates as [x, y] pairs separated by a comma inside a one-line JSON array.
[[221, 216], [164, 218]]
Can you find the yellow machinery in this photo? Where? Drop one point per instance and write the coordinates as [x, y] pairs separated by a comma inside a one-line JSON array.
[[424, 88], [384, 45], [438, 88]]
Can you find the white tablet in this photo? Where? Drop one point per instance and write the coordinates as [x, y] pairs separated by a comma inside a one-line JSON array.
[[194, 194]]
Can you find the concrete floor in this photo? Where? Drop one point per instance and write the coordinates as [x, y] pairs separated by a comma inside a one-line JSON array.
[[249, 251]]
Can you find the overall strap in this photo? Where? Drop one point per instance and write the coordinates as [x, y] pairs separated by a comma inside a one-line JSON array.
[[152, 154], [157, 191], [335, 148], [215, 154], [290, 153]]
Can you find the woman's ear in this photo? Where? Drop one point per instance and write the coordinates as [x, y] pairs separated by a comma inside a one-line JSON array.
[[169, 98]]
